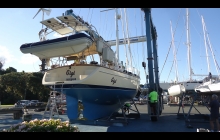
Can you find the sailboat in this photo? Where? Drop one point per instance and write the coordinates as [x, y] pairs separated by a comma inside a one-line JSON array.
[[210, 83], [102, 87], [215, 86], [187, 87]]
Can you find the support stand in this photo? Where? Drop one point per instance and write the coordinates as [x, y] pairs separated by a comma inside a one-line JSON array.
[[197, 117], [181, 105]]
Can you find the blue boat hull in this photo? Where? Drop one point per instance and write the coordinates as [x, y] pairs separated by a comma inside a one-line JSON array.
[[98, 101]]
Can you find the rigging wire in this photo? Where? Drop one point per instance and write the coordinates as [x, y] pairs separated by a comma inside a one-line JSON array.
[[100, 21], [200, 42], [185, 59], [212, 46], [136, 43], [91, 15], [110, 32], [132, 57], [136, 35], [106, 25], [79, 10], [209, 42], [200, 34], [88, 15], [125, 46], [104, 22], [170, 43], [135, 60], [128, 37], [175, 54]]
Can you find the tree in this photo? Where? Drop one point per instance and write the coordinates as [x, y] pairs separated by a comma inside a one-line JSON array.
[[1, 65], [36, 87], [19, 85], [15, 82], [10, 69], [2, 62]]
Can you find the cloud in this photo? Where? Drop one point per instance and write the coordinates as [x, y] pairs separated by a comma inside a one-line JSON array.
[[6, 55], [56, 35], [28, 59]]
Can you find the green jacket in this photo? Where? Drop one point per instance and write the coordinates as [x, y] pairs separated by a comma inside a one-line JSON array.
[[153, 96]]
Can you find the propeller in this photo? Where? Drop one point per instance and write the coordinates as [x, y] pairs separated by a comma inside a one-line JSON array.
[[47, 11]]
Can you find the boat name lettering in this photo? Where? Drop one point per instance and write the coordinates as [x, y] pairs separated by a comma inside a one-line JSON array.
[[113, 80], [68, 72], [70, 79]]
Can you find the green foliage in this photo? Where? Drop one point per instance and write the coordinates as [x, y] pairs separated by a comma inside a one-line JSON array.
[[20, 85], [10, 69], [15, 82], [1, 65]]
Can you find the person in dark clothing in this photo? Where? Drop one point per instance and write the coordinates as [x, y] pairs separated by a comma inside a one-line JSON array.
[[214, 116], [210, 76]]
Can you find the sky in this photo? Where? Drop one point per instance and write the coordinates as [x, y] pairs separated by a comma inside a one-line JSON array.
[[18, 27]]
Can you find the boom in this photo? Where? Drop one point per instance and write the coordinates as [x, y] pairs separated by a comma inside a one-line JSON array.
[[131, 39]]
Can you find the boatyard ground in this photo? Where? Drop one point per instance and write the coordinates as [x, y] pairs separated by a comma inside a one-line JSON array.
[[167, 122]]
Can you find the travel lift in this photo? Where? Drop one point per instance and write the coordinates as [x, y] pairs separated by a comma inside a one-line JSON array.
[[152, 61]]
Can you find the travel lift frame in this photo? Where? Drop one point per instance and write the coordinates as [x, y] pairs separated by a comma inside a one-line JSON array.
[[197, 118], [151, 34]]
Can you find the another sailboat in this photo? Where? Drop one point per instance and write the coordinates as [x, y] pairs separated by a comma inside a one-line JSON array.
[[102, 87], [211, 83], [185, 86], [215, 86]]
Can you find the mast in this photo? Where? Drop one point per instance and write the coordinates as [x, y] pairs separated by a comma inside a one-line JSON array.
[[126, 20], [174, 52], [117, 41], [213, 55], [43, 18], [210, 46], [188, 44], [122, 22], [206, 48]]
